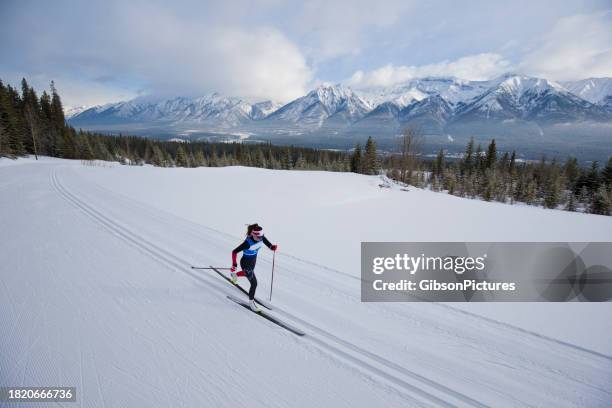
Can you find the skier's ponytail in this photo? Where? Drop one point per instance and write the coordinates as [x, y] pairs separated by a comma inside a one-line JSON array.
[[253, 227]]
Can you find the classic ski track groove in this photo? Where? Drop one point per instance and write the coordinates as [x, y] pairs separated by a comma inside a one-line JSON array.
[[168, 259], [264, 314], [261, 303]]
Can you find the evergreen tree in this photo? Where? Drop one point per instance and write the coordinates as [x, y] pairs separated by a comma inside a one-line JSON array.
[[551, 196], [530, 194], [68, 147], [260, 159], [300, 162], [86, 150], [15, 122], [491, 156], [479, 161], [10, 142], [31, 112], [552, 186], [324, 158], [287, 160], [504, 162], [47, 134], [356, 165], [370, 163], [439, 164], [583, 195], [606, 174], [592, 178], [571, 172], [571, 203], [3, 146], [199, 159], [468, 158], [450, 181], [346, 163], [181, 157], [168, 161], [158, 157], [57, 109], [488, 185], [602, 201]]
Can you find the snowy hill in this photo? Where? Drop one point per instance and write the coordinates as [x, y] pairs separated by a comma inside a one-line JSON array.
[[98, 293]]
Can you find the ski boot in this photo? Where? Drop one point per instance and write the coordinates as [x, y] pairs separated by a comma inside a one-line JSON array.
[[254, 306]]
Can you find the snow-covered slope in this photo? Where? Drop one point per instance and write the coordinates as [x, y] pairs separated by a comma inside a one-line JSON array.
[[210, 109], [594, 90], [97, 292], [327, 102], [262, 109], [70, 111], [452, 90], [434, 110], [521, 97]]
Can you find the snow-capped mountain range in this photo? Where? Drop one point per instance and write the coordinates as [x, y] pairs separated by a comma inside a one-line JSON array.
[[431, 103], [70, 111], [211, 109], [326, 103]]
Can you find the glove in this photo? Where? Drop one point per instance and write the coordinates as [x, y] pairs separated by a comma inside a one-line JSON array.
[[274, 247], [233, 268]]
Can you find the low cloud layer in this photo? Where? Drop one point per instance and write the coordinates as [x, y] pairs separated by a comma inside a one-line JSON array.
[[159, 51], [577, 47], [104, 50], [474, 67]]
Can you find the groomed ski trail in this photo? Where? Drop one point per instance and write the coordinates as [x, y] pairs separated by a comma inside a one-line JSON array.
[[334, 345], [415, 386], [196, 231]]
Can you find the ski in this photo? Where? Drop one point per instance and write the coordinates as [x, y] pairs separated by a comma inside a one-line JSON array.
[[240, 288], [266, 316]]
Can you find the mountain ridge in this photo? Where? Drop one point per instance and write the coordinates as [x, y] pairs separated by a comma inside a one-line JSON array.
[[434, 103]]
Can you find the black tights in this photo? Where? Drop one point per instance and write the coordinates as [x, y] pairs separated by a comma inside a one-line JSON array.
[[253, 280], [248, 267]]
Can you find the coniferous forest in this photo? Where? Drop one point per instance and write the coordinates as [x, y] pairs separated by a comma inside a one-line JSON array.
[[489, 175], [35, 125]]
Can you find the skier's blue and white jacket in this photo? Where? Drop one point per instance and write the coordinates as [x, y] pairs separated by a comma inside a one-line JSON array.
[[250, 247]]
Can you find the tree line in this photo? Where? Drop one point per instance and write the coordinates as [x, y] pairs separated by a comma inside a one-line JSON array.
[[30, 124], [490, 175]]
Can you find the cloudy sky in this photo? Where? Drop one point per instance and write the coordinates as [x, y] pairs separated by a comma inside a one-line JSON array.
[[100, 51]]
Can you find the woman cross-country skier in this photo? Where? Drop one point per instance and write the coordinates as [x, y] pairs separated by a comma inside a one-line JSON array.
[[255, 239]]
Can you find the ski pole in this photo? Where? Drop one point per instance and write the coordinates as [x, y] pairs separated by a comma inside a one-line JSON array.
[[272, 282], [199, 267]]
